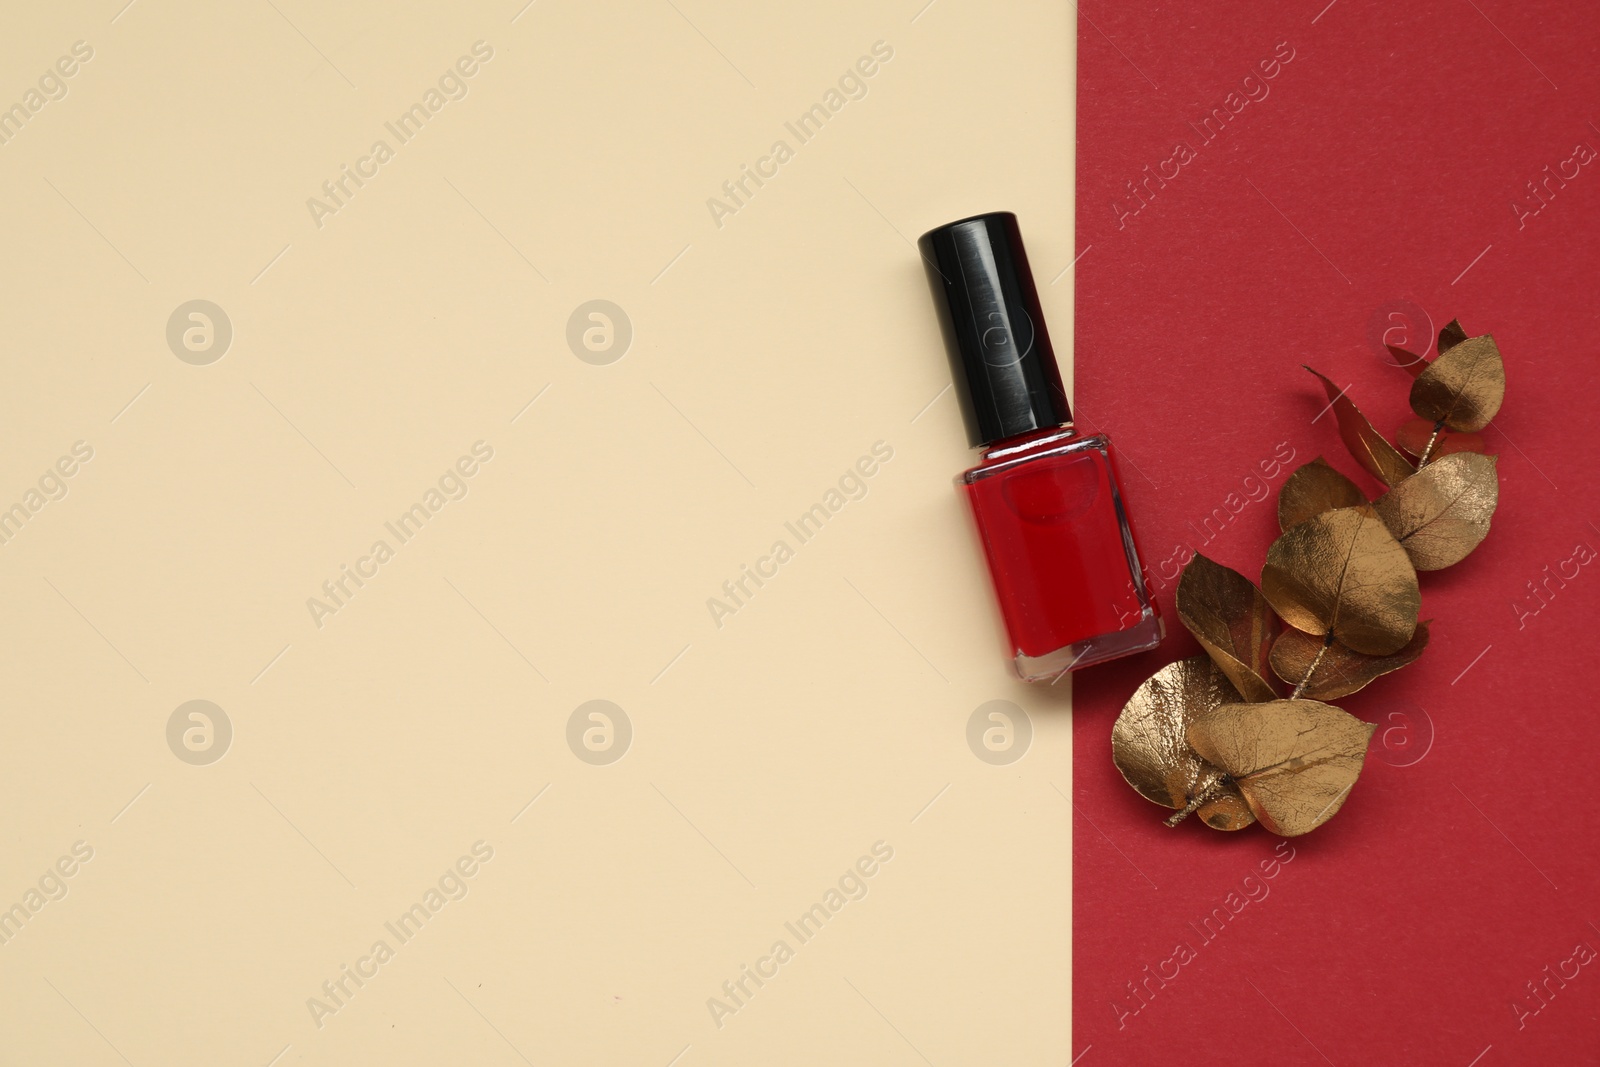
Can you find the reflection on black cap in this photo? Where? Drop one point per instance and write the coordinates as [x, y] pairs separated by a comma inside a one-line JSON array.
[[1000, 355]]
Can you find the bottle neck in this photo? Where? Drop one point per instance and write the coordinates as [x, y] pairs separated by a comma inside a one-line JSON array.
[[1023, 443]]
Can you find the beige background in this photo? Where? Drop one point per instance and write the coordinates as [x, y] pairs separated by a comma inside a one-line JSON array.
[[368, 354]]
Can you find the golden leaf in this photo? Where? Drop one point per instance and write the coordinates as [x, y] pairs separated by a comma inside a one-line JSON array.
[[1442, 513], [1451, 335], [1463, 387], [1340, 671], [1414, 435], [1366, 444], [1226, 810], [1409, 362], [1313, 489], [1228, 616], [1295, 761], [1149, 742], [1343, 573]]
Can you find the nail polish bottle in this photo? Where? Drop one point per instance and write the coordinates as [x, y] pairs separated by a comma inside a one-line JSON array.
[[1051, 515]]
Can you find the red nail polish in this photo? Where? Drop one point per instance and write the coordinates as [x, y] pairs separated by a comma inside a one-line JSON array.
[[1051, 514]]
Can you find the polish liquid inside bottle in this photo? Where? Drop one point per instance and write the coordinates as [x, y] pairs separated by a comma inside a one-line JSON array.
[[1049, 509]]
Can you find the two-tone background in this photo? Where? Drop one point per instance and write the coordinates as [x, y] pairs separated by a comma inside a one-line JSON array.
[[392, 393], [558, 315]]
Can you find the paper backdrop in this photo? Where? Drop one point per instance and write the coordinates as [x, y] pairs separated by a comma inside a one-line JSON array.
[[403, 408], [1361, 173]]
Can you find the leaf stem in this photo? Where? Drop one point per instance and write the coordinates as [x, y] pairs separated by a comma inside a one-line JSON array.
[[1327, 643], [1199, 797], [1427, 450]]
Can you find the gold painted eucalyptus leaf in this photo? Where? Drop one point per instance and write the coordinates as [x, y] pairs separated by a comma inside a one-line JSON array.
[[1409, 362], [1226, 810], [1451, 335], [1150, 746], [1341, 671], [1229, 617], [1343, 573], [1463, 387], [1313, 489], [1294, 761], [1369, 447], [1440, 514]]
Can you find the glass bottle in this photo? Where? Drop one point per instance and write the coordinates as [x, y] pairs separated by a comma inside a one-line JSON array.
[[1049, 509]]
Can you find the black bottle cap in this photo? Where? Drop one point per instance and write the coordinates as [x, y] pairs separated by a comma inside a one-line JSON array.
[[1000, 355]]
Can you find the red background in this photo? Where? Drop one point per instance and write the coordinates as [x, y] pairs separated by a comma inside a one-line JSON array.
[[1384, 160]]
